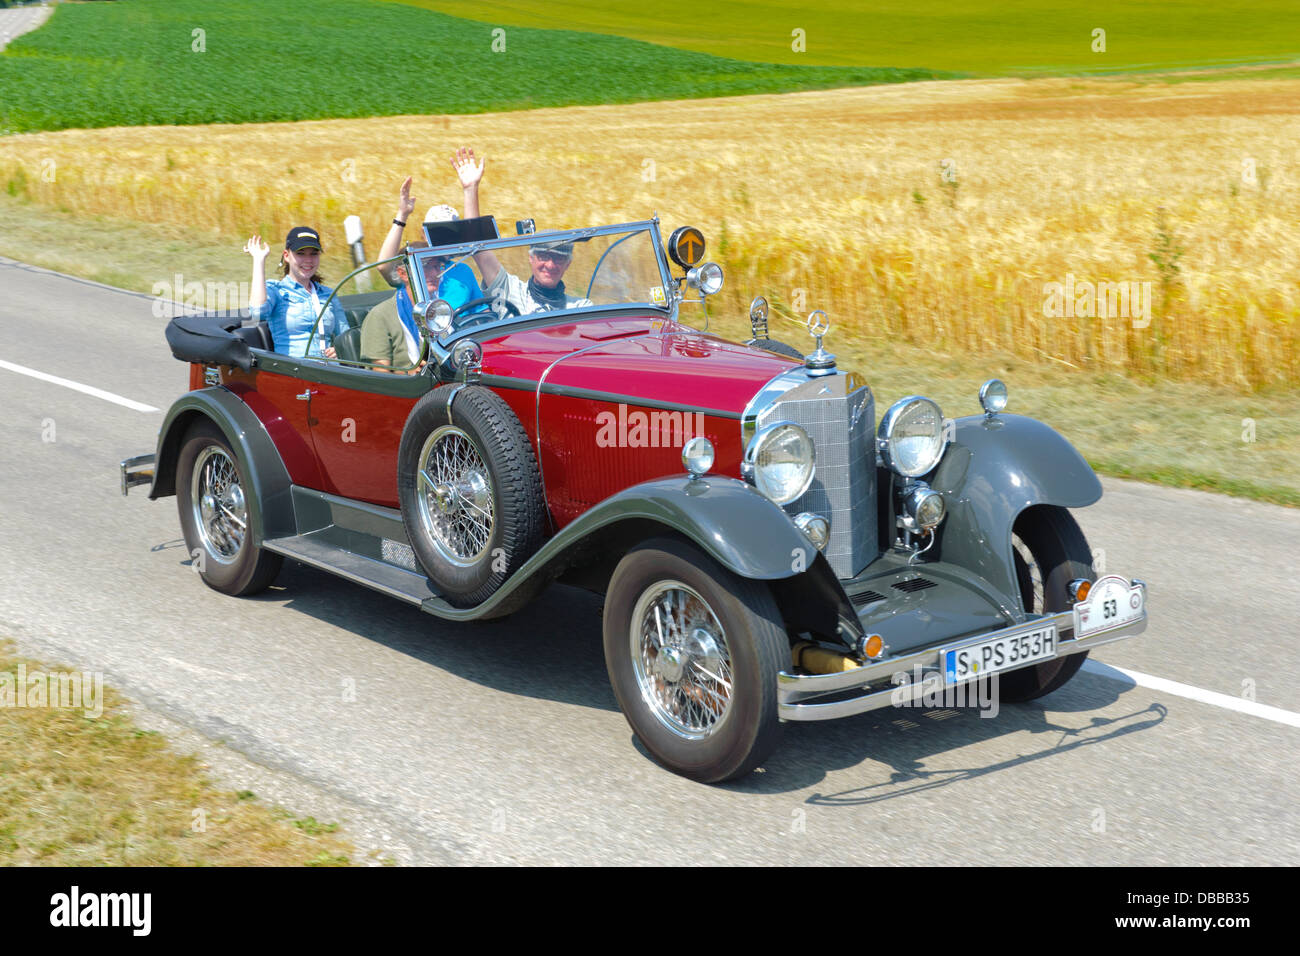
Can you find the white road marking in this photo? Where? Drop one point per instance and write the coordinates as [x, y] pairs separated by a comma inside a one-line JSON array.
[[78, 387], [1214, 698]]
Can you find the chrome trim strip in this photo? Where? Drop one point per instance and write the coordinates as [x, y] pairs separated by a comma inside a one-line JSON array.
[[796, 693], [574, 391], [537, 403]]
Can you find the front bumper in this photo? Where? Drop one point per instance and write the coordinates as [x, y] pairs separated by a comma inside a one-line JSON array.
[[873, 686]]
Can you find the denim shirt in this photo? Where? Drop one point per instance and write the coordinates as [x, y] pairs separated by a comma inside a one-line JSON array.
[[289, 312]]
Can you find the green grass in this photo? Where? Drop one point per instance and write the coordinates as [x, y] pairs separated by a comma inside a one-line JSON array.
[[1180, 434], [976, 36], [83, 786], [138, 62]]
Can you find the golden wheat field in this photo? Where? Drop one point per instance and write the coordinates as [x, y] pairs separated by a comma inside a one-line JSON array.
[[946, 213]]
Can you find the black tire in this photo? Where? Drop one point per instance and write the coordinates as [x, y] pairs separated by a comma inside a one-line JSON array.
[[749, 639], [228, 559], [1050, 551], [780, 348], [466, 555]]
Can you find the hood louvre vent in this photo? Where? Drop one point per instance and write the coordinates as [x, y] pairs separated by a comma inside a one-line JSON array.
[[913, 584], [866, 597]]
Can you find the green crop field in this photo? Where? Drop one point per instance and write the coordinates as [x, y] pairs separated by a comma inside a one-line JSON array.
[[987, 37], [181, 62]]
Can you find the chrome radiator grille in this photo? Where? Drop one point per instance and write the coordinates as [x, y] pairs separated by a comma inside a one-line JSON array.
[[839, 414]]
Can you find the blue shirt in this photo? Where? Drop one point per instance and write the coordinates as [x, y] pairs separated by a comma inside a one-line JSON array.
[[289, 312], [457, 286]]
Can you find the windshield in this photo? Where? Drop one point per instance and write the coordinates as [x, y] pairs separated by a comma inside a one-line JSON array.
[[503, 280]]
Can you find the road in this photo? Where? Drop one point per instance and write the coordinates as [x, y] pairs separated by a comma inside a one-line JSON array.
[[15, 21], [500, 742]]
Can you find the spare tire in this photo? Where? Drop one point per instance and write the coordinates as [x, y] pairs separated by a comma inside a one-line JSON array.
[[470, 492], [780, 348]]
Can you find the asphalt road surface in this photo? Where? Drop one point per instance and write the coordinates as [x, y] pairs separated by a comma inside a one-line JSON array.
[[500, 742]]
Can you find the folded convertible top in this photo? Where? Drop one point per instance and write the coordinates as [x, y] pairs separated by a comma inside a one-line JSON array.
[[208, 339]]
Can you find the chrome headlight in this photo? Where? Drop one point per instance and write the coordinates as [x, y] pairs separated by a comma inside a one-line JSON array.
[[780, 460], [697, 455], [924, 508], [911, 436], [993, 396], [707, 279]]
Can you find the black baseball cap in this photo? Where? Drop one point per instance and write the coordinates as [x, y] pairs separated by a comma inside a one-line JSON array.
[[302, 237]]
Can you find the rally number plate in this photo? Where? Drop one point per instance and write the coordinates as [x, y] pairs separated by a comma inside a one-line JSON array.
[[1112, 602]]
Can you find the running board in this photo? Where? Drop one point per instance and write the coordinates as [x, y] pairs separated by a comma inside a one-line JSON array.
[[396, 582]]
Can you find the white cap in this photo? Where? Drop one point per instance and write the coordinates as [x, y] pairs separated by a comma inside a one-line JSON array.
[[441, 213]]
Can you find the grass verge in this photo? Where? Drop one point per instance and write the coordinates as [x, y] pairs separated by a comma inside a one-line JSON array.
[[81, 785], [1173, 433]]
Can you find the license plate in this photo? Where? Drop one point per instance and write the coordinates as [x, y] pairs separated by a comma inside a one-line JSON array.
[[1111, 602], [999, 654]]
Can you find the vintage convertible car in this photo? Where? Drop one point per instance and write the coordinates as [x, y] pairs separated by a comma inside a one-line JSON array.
[[766, 552]]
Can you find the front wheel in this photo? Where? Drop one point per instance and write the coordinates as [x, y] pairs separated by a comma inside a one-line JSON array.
[[211, 495], [1049, 551], [693, 653]]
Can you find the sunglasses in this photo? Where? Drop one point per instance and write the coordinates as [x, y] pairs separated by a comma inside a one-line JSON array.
[[551, 257]]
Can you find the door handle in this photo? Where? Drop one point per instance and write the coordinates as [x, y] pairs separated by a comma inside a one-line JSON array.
[[305, 396]]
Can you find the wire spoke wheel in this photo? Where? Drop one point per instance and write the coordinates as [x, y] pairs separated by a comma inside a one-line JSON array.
[[694, 652], [471, 496], [455, 496], [1029, 575], [220, 510], [681, 660]]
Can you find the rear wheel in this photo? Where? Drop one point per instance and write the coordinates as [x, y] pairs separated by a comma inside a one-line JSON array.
[[1049, 551], [211, 494], [693, 653]]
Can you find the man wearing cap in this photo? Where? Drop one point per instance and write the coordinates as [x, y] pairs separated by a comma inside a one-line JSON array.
[[456, 283], [291, 304], [544, 289]]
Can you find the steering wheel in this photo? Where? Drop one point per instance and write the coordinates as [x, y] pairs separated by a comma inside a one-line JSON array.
[[511, 309]]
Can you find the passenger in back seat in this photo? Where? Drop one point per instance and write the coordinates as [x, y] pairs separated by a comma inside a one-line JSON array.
[[291, 304]]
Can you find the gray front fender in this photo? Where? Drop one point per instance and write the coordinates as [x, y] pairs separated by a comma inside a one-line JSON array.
[[270, 502], [993, 470], [727, 518]]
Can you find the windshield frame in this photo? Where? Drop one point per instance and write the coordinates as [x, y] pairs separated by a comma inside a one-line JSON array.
[[466, 250]]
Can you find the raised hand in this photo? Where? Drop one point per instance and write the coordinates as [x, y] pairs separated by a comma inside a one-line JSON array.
[[405, 204], [467, 169], [257, 248]]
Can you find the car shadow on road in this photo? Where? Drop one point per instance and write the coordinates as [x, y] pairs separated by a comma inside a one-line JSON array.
[[910, 742], [550, 650]]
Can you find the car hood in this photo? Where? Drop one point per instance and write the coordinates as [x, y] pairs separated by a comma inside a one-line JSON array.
[[622, 361]]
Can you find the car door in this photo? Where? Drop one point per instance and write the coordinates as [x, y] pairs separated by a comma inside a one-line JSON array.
[[274, 391], [356, 420]]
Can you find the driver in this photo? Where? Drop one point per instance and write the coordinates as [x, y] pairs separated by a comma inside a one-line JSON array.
[[544, 290]]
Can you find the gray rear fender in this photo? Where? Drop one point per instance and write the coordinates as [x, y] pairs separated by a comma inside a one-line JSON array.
[[992, 471], [270, 501]]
